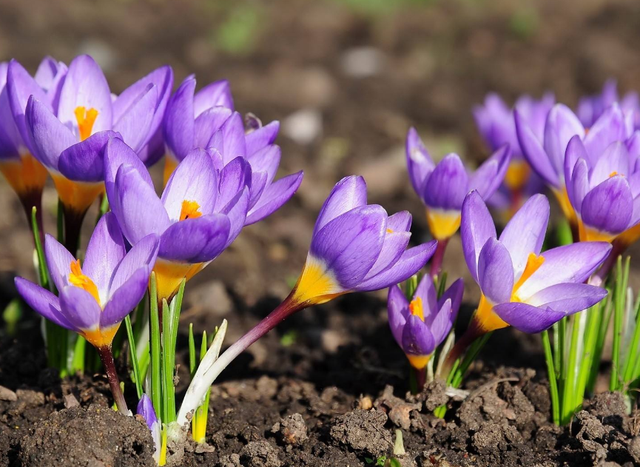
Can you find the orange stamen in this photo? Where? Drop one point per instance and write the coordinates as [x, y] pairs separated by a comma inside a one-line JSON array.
[[613, 174], [86, 119], [533, 264], [190, 210], [389, 231], [78, 279], [415, 307]]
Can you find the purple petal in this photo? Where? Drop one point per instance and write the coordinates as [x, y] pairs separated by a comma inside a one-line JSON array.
[[609, 127], [207, 123], [215, 94], [84, 161], [49, 136], [453, 293], [562, 125], [495, 272], [266, 160], [409, 264], [43, 302], [235, 176], [569, 263], [614, 159], [85, 86], [419, 162], [534, 153], [179, 120], [567, 298], [229, 139], [399, 222], [442, 322], [394, 246], [575, 152], [116, 154], [135, 123], [193, 180], [347, 194], [125, 298], [58, 261], [579, 185], [525, 232], [397, 307], [609, 206], [417, 338], [447, 185], [145, 409], [426, 291], [80, 308], [274, 196], [488, 178], [527, 318], [236, 211], [137, 207], [475, 229], [259, 139], [10, 139], [195, 240], [141, 256], [20, 87], [105, 251], [46, 73]]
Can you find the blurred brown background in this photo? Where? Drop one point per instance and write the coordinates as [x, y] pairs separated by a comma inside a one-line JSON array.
[[345, 77]]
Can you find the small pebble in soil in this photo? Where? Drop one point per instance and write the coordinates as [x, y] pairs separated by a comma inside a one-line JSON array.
[[362, 431], [291, 430], [260, 454]]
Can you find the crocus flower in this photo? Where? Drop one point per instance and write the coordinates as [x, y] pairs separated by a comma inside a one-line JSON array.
[[206, 121], [546, 155], [520, 286], [67, 135], [200, 213], [496, 124], [443, 186], [146, 411], [97, 295], [420, 325], [355, 247], [24, 173], [590, 108]]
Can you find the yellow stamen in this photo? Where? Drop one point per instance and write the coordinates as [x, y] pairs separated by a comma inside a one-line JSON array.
[[419, 361], [76, 195], [78, 279], [170, 274], [389, 231], [170, 164], [190, 210], [25, 176], [443, 224], [101, 337], [533, 264], [86, 119], [517, 174], [415, 307], [315, 285], [613, 174]]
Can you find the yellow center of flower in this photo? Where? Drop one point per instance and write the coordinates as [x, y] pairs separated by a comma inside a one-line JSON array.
[[443, 224], [517, 175], [25, 175], [169, 275], [78, 279], [190, 210], [416, 309], [86, 119], [533, 264], [315, 285]]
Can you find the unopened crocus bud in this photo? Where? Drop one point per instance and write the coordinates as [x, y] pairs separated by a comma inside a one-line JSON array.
[[146, 411], [419, 326]]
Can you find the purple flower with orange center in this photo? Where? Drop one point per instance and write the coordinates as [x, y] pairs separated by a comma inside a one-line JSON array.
[[24, 173], [546, 154], [522, 287], [67, 133], [200, 213], [419, 326], [355, 247], [205, 120], [96, 296]]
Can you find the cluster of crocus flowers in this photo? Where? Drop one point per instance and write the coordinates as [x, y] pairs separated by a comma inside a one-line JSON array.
[[355, 247], [522, 287], [94, 297], [419, 326], [443, 186], [590, 108], [496, 124]]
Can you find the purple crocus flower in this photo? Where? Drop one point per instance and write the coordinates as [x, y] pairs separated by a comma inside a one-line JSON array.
[[355, 247], [146, 411], [546, 155], [67, 134], [420, 325], [200, 213], [520, 286], [24, 173], [496, 124], [206, 121], [95, 297], [443, 186], [590, 108]]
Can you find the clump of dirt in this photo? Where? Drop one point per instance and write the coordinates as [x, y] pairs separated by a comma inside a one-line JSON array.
[[95, 436]]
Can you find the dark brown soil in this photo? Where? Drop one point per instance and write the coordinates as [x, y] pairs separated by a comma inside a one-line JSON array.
[[327, 388]]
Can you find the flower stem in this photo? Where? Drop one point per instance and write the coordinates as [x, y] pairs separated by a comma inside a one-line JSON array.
[[553, 382], [72, 227], [112, 375], [438, 256]]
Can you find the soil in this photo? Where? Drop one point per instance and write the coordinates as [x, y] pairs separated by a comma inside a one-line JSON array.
[[329, 386]]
